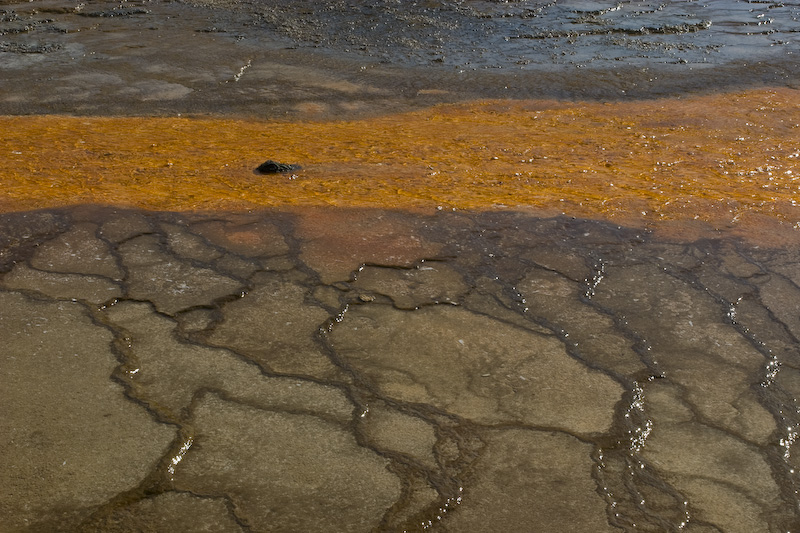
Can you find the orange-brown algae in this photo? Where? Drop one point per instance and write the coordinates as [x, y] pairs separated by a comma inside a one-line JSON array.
[[716, 158]]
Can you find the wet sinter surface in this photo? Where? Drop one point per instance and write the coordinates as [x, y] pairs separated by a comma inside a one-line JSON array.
[[264, 58], [368, 370], [365, 370], [211, 365]]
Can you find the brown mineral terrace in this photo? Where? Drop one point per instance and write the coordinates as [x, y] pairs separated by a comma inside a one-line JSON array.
[[726, 159]]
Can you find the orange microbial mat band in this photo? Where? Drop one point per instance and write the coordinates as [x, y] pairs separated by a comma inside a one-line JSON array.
[[706, 157]]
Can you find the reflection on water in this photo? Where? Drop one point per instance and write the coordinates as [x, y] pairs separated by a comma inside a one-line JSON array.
[[324, 369]]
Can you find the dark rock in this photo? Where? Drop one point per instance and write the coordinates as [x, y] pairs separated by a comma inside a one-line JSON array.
[[273, 167]]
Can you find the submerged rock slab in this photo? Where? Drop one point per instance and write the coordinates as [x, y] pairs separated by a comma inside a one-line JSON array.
[[691, 343], [335, 246], [726, 478], [531, 481], [389, 430], [426, 283], [78, 251], [170, 512], [275, 324], [248, 237], [172, 284], [475, 367], [69, 437], [286, 472], [169, 374], [92, 289]]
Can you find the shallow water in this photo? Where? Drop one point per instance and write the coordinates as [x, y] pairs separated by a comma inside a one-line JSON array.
[[729, 160], [530, 35], [342, 59], [365, 370], [208, 364]]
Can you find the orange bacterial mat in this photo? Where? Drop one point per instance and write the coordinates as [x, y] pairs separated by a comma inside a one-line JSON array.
[[715, 158]]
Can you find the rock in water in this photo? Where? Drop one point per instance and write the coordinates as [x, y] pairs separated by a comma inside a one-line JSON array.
[[273, 167]]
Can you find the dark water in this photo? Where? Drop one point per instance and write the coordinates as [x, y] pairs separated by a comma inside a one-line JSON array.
[[265, 58], [541, 35]]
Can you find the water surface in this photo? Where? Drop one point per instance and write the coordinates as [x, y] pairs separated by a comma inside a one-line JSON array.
[[334, 58], [536, 314]]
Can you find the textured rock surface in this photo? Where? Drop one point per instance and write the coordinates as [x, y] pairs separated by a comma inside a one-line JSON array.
[[370, 371], [474, 367], [71, 441]]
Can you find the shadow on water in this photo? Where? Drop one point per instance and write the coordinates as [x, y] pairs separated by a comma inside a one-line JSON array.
[[335, 369]]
